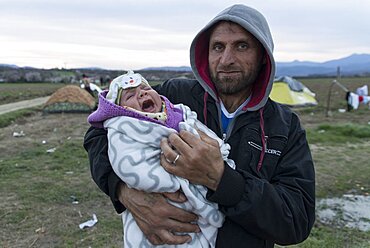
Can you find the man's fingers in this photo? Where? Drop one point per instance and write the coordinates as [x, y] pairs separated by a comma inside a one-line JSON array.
[[170, 157], [180, 227], [179, 215], [183, 216], [168, 151], [154, 239], [159, 220], [175, 196], [184, 138], [204, 137], [166, 236], [170, 238]]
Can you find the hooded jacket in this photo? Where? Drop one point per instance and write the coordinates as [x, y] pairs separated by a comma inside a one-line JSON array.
[[252, 21], [270, 197]]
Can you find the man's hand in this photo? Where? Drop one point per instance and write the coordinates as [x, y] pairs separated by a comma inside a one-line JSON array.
[[156, 218], [197, 159]]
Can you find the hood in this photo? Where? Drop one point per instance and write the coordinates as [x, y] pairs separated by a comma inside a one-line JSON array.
[[254, 22]]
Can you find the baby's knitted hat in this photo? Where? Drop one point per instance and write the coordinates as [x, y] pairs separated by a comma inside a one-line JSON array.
[[125, 81]]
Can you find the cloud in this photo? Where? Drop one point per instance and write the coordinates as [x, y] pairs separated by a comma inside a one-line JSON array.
[[113, 33]]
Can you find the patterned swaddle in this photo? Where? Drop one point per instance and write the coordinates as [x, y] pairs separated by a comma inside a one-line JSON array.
[[134, 152]]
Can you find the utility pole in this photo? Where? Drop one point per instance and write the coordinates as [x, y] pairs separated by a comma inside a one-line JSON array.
[[338, 73]]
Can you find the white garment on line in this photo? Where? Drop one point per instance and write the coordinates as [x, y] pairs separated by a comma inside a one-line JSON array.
[[353, 100]]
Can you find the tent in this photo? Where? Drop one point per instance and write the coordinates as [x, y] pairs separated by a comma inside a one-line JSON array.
[[291, 92], [70, 98]]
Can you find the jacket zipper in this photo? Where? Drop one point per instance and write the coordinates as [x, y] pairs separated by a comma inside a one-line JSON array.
[[226, 136]]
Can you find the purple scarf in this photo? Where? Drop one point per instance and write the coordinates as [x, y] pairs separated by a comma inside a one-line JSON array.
[[107, 110]]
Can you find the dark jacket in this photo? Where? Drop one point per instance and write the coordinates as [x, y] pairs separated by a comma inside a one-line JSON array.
[[275, 204]]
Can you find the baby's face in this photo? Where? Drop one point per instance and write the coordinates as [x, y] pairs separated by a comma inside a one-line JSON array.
[[142, 98]]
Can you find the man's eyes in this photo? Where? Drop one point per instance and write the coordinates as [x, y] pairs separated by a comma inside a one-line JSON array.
[[243, 46], [240, 46], [217, 47]]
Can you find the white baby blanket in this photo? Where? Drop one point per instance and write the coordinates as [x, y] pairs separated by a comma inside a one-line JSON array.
[[134, 152]]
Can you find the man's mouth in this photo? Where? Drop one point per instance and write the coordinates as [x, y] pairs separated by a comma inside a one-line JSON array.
[[148, 106], [228, 72]]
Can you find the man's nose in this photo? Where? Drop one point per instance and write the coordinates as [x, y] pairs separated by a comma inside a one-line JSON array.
[[227, 57]]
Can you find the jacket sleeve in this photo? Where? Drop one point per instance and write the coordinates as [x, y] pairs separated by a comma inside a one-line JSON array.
[[96, 145], [282, 209]]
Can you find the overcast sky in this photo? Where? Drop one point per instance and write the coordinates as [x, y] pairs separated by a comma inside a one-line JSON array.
[[122, 34]]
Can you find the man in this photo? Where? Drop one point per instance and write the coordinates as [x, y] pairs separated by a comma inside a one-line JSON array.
[[270, 197]]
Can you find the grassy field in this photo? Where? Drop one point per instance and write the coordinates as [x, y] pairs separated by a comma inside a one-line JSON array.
[[38, 188], [13, 92]]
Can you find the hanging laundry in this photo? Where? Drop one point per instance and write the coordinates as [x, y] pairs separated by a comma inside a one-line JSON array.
[[362, 91], [353, 101]]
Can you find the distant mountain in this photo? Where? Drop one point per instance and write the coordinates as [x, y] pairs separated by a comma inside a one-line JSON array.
[[354, 59], [355, 64], [90, 68], [168, 68], [9, 66], [15, 66]]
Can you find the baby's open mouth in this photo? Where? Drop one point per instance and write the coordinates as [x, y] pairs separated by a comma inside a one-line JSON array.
[[148, 106]]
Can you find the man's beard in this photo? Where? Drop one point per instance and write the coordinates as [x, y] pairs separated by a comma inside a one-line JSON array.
[[233, 85]]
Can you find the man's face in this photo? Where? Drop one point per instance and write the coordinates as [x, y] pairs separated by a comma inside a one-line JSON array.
[[235, 58], [142, 98]]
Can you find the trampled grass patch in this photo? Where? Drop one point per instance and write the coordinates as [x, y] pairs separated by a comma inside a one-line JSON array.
[[36, 187], [342, 169], [340, 152]]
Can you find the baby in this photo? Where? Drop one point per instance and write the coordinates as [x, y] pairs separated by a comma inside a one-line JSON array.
[[137, 119]]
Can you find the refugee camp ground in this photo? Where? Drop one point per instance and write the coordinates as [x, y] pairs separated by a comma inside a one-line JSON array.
[[43, 164]]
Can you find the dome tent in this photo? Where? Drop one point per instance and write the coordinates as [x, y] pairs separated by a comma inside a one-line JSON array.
[[70, 98], [291, 92]]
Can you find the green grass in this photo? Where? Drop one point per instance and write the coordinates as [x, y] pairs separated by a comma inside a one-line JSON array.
[[340, 149], [338, 133], [36, 189], [329, 237], [341, 162], [13, 92], [9, 118]]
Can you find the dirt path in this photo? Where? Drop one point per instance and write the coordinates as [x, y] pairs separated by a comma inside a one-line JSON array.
[[6, 108]]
